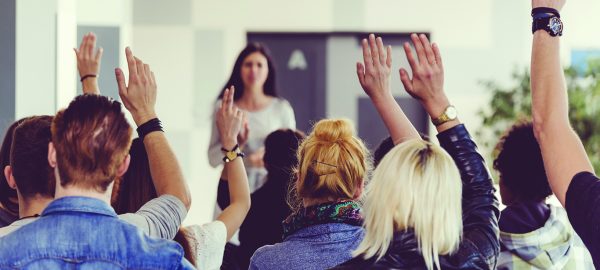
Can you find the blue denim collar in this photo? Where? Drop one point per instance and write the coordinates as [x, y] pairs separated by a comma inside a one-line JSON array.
[[79, 204]]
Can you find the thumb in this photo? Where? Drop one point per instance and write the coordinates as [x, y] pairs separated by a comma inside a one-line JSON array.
[[406, 80], [360, 72], [121, 82]]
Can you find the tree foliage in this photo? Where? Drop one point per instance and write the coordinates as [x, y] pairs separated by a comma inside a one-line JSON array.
[[513, 103]]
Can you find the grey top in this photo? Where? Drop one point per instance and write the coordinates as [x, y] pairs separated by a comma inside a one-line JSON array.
[[160, 217]]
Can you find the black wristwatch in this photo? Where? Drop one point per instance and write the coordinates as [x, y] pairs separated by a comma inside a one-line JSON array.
[[551, 24]]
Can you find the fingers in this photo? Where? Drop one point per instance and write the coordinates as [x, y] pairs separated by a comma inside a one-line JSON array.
[[419, 48], [91, 43], [147, 72], [99, 53], [141, 74], [131, 64], [83, 46], [227, 103], [360, 72], [382, 51], [406, 81], [428, 50], [388, 60], [368, 60], [121, 82], [410, 57], [152, 78], [438, 55], [374, 50]]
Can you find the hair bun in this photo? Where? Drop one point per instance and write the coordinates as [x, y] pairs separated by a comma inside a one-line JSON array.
[[333, 130]]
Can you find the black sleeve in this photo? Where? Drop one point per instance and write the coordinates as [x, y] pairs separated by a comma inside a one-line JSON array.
[[480, 205], [583, 208], [223, 194]]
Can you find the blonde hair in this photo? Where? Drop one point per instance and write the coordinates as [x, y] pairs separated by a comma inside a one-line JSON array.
[[416, 186], [332, 162]]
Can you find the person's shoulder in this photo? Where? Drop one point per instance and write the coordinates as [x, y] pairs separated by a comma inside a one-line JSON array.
[[584, 187], [270, 253], [281, 103]]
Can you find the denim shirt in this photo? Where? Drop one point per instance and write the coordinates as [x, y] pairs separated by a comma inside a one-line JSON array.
[[85, 233], [316, 247]]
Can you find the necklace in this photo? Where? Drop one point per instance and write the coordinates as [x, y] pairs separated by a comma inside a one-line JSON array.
[[32, 216]]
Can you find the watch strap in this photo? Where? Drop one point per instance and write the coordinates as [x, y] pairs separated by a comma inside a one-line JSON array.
[[544, 11]]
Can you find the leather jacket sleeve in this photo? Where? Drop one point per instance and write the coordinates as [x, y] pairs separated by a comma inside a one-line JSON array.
[[480, 205]]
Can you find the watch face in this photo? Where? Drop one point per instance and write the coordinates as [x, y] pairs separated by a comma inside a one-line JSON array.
[[451, 113], [555, 25]]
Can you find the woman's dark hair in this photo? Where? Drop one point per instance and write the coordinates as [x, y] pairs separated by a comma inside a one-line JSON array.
[[136, 188], [8, 194], [520, 164], [280, 150], [270, 87], [386, 145]]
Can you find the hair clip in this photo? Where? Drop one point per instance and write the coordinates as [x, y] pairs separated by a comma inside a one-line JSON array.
[[314, 162]]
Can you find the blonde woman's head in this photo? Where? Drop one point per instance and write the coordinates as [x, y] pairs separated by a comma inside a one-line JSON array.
[[415, 187], [332, 163]]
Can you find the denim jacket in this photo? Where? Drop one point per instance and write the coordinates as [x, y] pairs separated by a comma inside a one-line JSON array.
[[85, 233], [315, 247]]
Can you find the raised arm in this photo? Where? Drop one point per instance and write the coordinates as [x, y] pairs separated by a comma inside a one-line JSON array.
[[480, 206], [139, 97], [562, 150], [427, 83], [88, 64], [374, 78], [229, 123]]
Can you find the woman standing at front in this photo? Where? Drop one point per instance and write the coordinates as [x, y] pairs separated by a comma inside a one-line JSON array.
[[255, 85]]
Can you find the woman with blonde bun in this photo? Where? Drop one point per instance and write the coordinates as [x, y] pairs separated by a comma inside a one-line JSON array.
[[325, 226]]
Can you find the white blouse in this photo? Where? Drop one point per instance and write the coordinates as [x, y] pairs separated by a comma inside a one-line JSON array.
[[277, 115], [208, 244]]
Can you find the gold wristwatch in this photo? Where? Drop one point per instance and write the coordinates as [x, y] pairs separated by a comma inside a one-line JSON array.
[[448, 115]]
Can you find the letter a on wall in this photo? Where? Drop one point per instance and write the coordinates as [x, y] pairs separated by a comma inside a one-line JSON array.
[[297, 60]]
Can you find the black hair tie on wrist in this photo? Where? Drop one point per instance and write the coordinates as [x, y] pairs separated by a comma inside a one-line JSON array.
[[540, 11], [88, 76], [149, 127]]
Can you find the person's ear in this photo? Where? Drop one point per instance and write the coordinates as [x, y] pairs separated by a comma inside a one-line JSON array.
[[10, 179], [124, 166], [51, 155]]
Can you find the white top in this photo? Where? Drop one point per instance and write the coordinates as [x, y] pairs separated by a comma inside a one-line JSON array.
[[160, 217], [277, 115], [208, 244]]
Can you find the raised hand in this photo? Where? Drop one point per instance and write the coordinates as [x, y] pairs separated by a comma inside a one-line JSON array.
[[374, 74], [88, 63], [139, 95], [229, 120], [427, 83]]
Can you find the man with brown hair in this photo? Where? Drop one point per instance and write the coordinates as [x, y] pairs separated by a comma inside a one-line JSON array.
[[32, 177], [89, 149]]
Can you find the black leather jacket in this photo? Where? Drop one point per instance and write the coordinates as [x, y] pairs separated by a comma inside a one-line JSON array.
[[480, 245]]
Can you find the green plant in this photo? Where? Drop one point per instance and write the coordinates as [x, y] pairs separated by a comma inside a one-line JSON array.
[[513, 103]]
